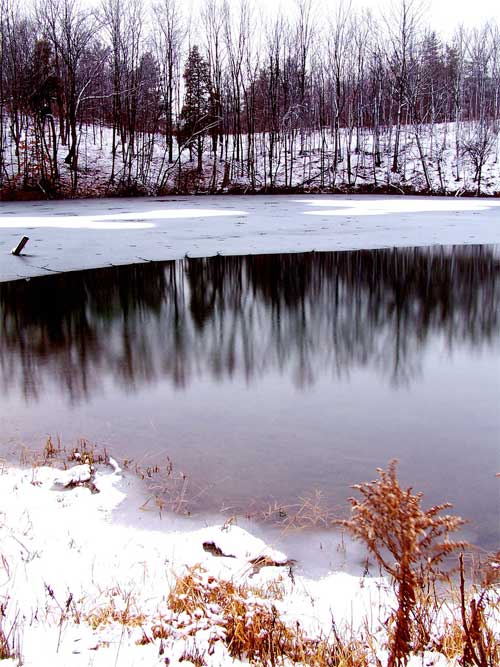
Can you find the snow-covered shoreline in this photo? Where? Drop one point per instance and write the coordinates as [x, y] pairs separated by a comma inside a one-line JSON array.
[[60, 543], [88, 234], [79, 588]]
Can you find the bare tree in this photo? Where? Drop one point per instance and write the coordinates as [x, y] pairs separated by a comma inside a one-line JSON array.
[[478, 146], [169, 36], [71, 31], [402, 25]]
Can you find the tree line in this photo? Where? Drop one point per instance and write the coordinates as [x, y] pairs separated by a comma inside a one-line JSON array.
[[224, 98]]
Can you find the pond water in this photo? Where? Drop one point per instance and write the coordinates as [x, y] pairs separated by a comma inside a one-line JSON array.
[[266, 379]]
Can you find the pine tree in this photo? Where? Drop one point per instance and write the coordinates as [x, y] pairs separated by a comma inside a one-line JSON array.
[[195, 115]]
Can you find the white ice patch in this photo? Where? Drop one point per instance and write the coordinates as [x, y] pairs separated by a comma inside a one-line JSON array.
[[70, 223], [233, 225], [116, 221], [348, 207], [163, 214]]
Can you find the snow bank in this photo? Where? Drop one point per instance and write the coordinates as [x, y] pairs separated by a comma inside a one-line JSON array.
[[74, 476]]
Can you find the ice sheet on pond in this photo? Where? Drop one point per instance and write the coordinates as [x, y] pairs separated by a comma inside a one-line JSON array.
[[84, 234]]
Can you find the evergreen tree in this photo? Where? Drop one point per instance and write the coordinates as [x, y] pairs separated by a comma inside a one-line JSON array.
[[195, 115], [433, 92]]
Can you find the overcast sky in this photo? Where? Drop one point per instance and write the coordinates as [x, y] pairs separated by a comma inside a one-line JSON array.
[[445, 15], [441, 15]]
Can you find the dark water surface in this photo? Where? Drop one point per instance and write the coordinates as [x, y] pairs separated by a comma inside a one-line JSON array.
[[268, 377]]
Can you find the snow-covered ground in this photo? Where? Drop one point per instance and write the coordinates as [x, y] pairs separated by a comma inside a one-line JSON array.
[[59, 542], [79, 588], [310, 163], [84, 234]]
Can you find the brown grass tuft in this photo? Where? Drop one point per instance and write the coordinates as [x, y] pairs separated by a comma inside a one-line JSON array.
[[5, 649], [252, 628], [51, 450], [193, 655], [491, 571], [9, 641], [312, 511], [128, 615], [86, 452], [481, 646]]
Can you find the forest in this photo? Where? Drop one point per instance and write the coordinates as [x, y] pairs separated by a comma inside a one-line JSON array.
[[131, 98]]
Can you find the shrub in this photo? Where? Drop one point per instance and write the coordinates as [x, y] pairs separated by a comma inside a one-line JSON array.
[[408, 542]]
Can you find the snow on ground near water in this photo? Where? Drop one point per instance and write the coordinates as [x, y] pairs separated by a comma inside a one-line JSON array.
[[63, 559], [55, 543], [85, 234]]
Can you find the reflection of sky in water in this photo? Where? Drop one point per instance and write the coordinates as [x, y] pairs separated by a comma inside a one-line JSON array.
[[267, 377]]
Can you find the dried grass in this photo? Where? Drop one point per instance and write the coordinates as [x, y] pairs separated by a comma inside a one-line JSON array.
[[9, 636], [110, 614], [86, 452], [169, 490], [55, 453], [51, 450], [251, 626], [120, 607], [311, 511], [490, 570], [410, 544], [481, 645], [194, 656], [5, 648]]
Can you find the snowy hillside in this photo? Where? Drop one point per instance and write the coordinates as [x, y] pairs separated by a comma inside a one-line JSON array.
[[434, 162]]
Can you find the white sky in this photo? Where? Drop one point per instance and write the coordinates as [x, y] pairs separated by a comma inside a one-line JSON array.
[[445, 15], [441, 15]]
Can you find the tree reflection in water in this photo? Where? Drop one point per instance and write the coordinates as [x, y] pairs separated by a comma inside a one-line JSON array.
[[306, 315]]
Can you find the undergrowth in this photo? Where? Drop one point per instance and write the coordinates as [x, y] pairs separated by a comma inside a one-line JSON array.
[[55, 453], [9, 635]]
